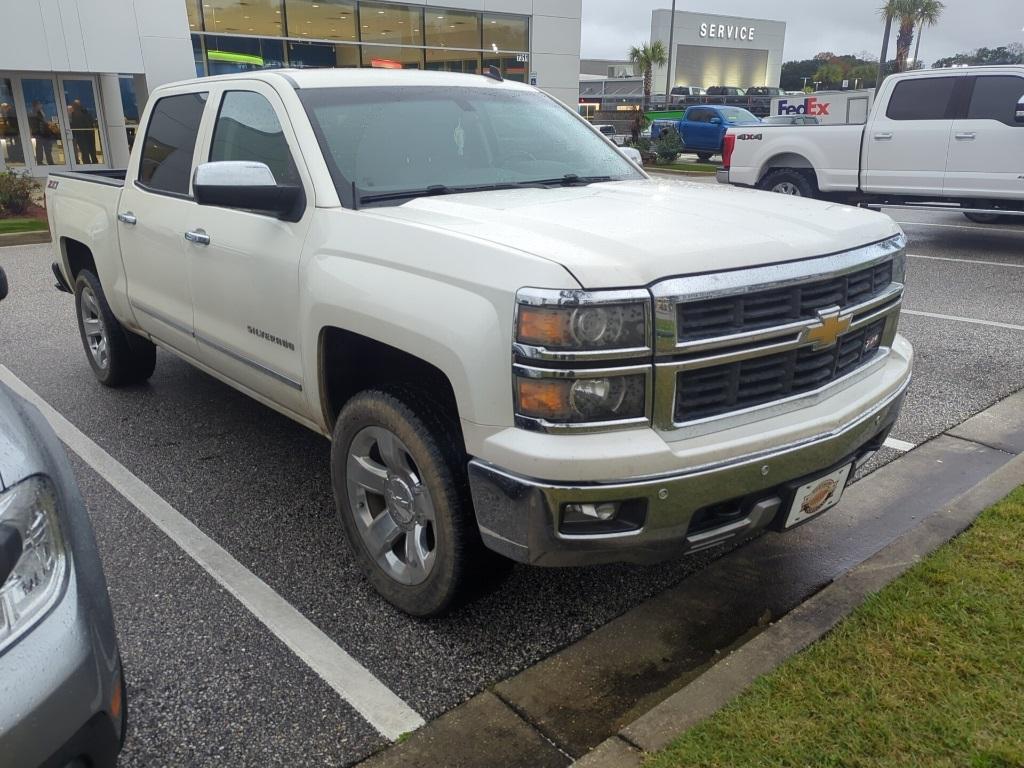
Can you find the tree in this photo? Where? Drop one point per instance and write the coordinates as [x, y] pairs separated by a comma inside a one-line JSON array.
[[928, 13], [1004, 54], [829, 73], [888, 13], [645, 58], [865, 73]]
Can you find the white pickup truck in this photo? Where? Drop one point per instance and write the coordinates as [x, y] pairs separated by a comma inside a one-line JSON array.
[[490, 313], [938, 139]]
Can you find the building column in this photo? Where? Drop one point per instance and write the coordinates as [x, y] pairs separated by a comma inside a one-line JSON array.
[[113, 117]]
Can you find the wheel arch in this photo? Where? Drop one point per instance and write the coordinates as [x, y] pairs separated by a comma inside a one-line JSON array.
[[784, 160]]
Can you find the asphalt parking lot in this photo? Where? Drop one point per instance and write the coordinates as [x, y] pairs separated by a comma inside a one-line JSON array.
[[209, 684]]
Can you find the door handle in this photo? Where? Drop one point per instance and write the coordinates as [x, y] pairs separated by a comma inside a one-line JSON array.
[[883, 137], [968, 136], [127, 217], [197, 236]]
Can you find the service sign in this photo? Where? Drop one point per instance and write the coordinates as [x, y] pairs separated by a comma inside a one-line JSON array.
[[727, 31]]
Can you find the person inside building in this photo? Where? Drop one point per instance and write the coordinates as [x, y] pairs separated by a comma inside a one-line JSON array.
[[83, 129], [43, 133], [9, 132]]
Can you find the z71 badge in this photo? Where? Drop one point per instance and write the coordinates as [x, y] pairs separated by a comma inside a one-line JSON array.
[[750, 136]]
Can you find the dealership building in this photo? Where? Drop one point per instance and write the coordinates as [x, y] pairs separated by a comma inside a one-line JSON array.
[[76, 75], [709, 50]]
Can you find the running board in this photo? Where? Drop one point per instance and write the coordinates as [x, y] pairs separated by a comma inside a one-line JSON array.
[[941, 207]]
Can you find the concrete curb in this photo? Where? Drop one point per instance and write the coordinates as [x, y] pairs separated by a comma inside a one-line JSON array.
[[800, 628], [25, 238]]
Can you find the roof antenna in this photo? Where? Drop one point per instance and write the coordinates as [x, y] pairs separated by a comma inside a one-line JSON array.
[[494, 73]]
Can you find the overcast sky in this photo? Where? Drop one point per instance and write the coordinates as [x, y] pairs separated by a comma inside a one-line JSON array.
[[841, 26]]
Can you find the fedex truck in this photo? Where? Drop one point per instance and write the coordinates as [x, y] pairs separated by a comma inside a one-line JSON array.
[[830, 107]]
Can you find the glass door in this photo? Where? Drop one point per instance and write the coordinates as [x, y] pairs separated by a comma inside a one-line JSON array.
[[12, 146], [83, 109], [44, 120]]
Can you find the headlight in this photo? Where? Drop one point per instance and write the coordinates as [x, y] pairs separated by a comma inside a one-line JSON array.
[[582, 397], [578, 322], [899, 262], [31, 542]]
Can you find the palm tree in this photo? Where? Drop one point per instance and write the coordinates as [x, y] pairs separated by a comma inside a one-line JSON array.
[[888, 12], [646, 57], [928, 13]]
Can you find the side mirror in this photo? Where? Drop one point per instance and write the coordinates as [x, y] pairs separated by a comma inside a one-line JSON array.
[[1020, 111], [249, 186], [716, 121], [3, 284]]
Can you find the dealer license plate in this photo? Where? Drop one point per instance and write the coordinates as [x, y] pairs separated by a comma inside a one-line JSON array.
[[817, 496]]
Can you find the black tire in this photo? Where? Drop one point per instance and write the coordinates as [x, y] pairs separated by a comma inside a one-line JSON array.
[[704, 156], [462, 565], [129, 359], [984, 218], [788, 181], [3, 284]]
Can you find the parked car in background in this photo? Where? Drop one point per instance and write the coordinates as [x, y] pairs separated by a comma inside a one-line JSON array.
[[936, 138], [62, 693], [725, 90], [790, 120], [762, 90], [607, 130], [680, 93], [702, 129]]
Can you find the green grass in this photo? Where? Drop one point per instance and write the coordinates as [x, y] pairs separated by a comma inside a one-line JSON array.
[[688, 167], [928, 672], [9, 226]]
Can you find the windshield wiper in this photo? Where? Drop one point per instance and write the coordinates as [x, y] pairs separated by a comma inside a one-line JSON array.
[[569, 180]]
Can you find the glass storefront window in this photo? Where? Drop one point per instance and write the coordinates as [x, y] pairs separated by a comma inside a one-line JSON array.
[[452, 29], [130, 106], [43, 121], [225, 55], [443, 60], [80, 98], [390, 57], [391, 24], [243, 17], [195, 15], [326, 19], [512, 67], [198, 56], [306, 55], [12, 151], [506, 33]]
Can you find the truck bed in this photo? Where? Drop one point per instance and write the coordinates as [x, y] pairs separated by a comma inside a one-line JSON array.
[[113, 177]]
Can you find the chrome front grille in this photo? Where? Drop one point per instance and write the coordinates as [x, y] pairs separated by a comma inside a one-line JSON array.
[[749, 344], [763, 309], [706, 392]]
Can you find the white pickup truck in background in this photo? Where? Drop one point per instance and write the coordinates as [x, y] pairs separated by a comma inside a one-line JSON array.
[[938, 139], [490, 312]]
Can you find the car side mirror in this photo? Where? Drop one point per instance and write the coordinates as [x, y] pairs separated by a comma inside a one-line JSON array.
[[3, 284], [716, 121], [1020, 111], [249, 186]]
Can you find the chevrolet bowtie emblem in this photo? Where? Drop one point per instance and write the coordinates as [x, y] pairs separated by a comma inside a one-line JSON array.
[[831, 325]]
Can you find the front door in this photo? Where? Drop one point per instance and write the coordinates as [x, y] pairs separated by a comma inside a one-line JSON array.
[[155, 204], [84, 123], [245, 264], [45, 122], [986, 155], [906, 148], [12, 138]]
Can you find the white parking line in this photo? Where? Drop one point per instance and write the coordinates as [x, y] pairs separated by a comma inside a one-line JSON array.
[[967, 261], [971, 320], [899, 445], [960, 226], [385, 711]]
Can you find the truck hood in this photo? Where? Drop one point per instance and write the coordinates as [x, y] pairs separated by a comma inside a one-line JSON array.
[[633, 233]]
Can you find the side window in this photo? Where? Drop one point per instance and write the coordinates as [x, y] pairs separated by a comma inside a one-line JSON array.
[[926, 98], [248, 129], [995, 98], [166, 163]]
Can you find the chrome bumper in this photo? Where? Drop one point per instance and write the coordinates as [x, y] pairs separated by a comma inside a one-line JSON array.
[[521, 518], [722, 175]]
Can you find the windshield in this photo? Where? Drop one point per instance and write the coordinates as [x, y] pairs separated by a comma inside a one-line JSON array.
[[738, 115], [401, 142]]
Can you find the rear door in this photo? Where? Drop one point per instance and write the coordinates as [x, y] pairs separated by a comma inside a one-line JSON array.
[[986, 155], [245, 275], [906, 147], [697, 128], [155, 202]]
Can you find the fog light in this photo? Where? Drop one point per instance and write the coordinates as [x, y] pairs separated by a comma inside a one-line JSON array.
[[582, 513]]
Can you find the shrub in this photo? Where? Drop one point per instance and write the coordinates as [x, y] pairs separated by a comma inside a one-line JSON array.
[[668, 146], [15, 192]]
